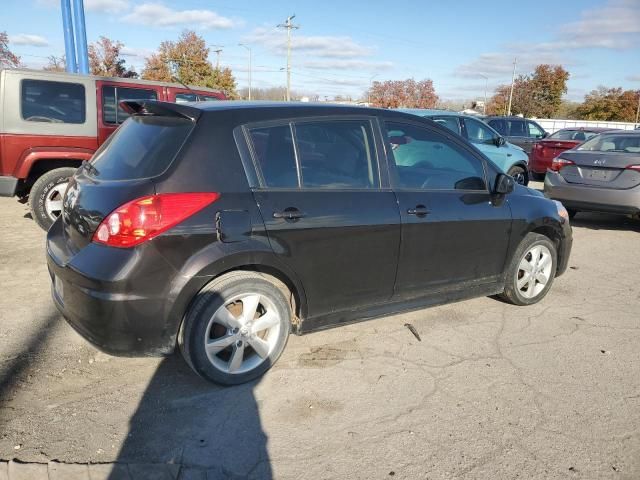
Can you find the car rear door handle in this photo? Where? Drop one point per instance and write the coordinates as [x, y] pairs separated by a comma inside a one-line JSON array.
[[289, 214], [420, 211]]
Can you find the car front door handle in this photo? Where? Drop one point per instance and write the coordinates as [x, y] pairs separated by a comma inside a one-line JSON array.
[[289, 214], [419, 211]]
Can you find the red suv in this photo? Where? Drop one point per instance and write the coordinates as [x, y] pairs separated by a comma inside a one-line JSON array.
[[51, 122], [543, 152]]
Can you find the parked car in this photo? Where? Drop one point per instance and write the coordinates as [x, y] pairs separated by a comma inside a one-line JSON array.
[[521, 131], [221, 227], [510, 158], [51, 122], [547, 149], [600, 175]]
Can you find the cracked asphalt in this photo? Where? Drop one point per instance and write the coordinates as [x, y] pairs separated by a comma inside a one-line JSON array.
[[491, 391]]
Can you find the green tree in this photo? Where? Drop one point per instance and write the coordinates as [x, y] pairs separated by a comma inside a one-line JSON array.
[[187, 60], [610, 104]]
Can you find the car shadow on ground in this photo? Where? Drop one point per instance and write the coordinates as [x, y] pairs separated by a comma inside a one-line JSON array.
[[184, 420], [603, 221]]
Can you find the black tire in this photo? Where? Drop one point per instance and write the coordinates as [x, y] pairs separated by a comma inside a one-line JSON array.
[[520, 174], [538, 177], [571, 212], [512, 293], [194, 330], [40, 192]]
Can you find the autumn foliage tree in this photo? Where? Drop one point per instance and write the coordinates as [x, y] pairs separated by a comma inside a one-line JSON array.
[[105, 59], [403, 94], [7, 58], [55, 64], [534, 95], [612, 104], [187, 60]]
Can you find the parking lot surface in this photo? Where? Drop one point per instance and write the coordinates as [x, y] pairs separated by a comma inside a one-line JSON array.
[[490, 391]]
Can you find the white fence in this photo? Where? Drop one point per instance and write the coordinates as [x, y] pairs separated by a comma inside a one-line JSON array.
[[551, 125]]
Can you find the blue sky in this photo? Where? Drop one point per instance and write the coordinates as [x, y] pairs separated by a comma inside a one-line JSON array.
[[342, 45]]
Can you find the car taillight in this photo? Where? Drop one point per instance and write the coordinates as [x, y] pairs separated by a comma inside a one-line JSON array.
[[559, 163], [141, 219], [633, 167]]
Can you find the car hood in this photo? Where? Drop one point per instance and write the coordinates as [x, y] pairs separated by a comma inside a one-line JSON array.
[[515, 147], [527, 191]]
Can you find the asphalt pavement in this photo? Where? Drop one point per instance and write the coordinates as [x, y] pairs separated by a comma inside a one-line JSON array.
[[491, 391]]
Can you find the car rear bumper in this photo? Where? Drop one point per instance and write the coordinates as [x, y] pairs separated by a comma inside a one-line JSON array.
[[587, 198], [8, 186], [107, 309]]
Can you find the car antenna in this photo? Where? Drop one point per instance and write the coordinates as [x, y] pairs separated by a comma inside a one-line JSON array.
[[176, 79]]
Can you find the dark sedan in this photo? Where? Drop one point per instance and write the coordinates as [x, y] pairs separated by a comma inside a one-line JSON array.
[[601, 175], [520, 131]]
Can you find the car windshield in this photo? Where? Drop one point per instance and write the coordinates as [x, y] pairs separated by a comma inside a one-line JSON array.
[[578, 135], [613, 143]]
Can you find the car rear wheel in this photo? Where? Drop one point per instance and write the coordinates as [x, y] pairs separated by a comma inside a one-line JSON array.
[[531, 271], [236, 328], [571, 212], [519, 174], [45, 197]]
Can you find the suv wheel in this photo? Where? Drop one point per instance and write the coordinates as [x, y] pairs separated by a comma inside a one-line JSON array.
[[236, 328], [519, 174], [531, 271], [45, 197]]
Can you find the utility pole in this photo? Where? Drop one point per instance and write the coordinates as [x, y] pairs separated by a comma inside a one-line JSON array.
[[289, 26], [248, 48], [513, 79], [218, 52], [486, 81]]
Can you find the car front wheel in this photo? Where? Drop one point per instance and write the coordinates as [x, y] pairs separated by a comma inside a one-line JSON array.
[[531, 271], [236, 328], [519, 174]]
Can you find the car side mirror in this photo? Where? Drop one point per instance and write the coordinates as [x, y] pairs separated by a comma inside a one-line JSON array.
[[504, 184], [499, 141]]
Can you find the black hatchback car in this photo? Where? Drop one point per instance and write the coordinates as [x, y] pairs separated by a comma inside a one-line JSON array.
[[222, 227]]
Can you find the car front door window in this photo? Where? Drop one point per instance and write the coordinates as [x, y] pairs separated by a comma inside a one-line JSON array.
[[425, 159]]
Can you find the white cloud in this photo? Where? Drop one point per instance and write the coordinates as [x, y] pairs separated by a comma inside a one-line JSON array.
[[108, 6], [159, 15], [319, 45], [634, 78], [615, 25], [500, 65], [140, 53], [28, 39]]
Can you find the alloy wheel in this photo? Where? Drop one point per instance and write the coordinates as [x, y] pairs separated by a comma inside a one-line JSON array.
[[534, 271], [53, 200], [242, 333]]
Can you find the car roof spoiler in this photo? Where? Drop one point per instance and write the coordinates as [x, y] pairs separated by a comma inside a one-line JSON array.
[[164, 109]]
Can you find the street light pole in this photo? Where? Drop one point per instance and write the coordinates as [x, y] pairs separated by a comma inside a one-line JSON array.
[[289, 26], [486, 82], [513, 79], [248, 48]]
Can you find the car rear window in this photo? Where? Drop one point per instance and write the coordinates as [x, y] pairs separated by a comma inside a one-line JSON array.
[[142, 147], [52, 102]]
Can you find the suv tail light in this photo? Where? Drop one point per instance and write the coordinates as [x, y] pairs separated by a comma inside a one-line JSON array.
[[558, 163], [633, 167], [141, 219]]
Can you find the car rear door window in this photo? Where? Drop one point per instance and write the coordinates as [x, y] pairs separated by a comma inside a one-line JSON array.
[[112, 96], [275, 156], [336, 154], [499, 125], [448, 121], [52, 102], [518, 128], [425, 159], [186, 97]]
